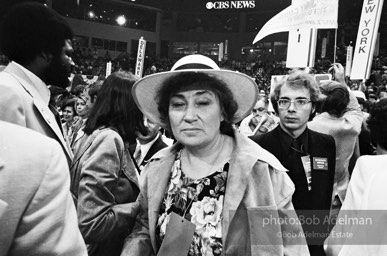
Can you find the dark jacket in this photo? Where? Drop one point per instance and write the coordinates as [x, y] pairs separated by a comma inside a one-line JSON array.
[[320, 197], [156, 147]]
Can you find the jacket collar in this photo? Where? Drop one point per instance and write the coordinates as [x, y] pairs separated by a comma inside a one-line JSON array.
[[243, 158], [31, 82], [40, 98]]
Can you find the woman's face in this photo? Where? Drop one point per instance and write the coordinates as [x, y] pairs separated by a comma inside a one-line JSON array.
[[81, 108], [68, 114], [195, 117]]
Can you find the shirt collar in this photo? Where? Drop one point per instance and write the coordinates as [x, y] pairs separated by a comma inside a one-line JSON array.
[[286, 139], [39, 85], [145, 147]]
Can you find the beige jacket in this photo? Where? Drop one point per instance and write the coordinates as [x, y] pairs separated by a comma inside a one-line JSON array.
[[257, 188]]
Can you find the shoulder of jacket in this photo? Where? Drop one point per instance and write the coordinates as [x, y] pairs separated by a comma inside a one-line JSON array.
[[321, 136]]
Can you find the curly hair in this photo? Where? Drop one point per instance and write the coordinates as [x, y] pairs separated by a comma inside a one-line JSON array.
[[377, 123], [193, 81], [31, 28]]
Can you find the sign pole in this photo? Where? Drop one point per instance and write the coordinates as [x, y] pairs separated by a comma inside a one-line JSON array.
[[334, 50]]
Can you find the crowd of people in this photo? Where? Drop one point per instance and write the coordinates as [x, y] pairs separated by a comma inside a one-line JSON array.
[[195, 158]]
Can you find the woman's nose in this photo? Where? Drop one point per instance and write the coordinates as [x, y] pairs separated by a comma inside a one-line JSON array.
[[190, 114]]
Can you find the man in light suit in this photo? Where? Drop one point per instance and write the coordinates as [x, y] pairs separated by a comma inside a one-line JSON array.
[[38, 59], [37, 214]]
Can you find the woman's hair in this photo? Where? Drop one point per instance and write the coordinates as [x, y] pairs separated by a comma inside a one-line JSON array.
[[70, 103], [115, 107], [377, 123], [30, 29], [298, 79], [193, 81]]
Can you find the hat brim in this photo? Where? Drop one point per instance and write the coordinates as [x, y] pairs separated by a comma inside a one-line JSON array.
[[243, 88]]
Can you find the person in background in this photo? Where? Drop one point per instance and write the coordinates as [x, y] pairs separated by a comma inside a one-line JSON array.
[[58, 96], [365, 145], [38, 59], [85, 103], [366, 167], [341, 117], [147, 144], [37, 214], [208, 193], [104, 179], [259, 121], [82, 110], [308, 155], [69, 115]]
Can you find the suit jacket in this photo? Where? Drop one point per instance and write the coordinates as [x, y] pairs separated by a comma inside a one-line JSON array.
[[319, 145], [322, 146], [22, 104], [257, 187], [156, 147], [37, 214]]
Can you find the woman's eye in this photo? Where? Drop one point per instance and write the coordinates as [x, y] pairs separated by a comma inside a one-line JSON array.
[[203, 103], [177, 104]]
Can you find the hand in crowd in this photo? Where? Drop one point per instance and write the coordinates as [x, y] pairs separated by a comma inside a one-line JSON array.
[[338, 72], [77, 124]]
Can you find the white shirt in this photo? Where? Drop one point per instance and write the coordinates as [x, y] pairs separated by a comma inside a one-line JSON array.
[[144, 148]]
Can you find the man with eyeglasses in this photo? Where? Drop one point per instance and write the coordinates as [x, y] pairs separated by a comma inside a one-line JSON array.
[[309, 156]]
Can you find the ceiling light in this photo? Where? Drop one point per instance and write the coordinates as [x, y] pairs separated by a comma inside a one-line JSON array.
[[121, 20], [91, 14]]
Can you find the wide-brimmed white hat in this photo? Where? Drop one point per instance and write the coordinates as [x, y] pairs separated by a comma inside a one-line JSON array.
[[243, 87]]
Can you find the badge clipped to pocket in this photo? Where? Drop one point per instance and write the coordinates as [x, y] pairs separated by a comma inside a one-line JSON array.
[[178, 236], [308, 170]]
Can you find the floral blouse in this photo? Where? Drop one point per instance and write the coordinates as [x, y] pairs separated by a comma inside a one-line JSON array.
[[201, 201]]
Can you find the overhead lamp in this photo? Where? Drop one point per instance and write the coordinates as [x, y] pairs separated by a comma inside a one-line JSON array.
[[91, 14], [121, 20]]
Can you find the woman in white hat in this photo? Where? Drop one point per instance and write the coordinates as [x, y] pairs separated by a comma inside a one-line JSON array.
[[214, 191]]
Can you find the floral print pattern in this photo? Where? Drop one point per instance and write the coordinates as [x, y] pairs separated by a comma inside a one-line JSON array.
[[201, 202]]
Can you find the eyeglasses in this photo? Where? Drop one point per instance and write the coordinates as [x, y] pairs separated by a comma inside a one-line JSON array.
[[298, 103]]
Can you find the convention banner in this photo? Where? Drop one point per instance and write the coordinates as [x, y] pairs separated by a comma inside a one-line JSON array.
[[301, 48], [318, 14], [366, 39], [140, 57]]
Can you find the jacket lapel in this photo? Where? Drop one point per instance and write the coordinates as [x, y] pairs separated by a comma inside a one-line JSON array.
[[157, 184], [49, 117], [39, 104], [156, 146], [242, 162], [88, 140]]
